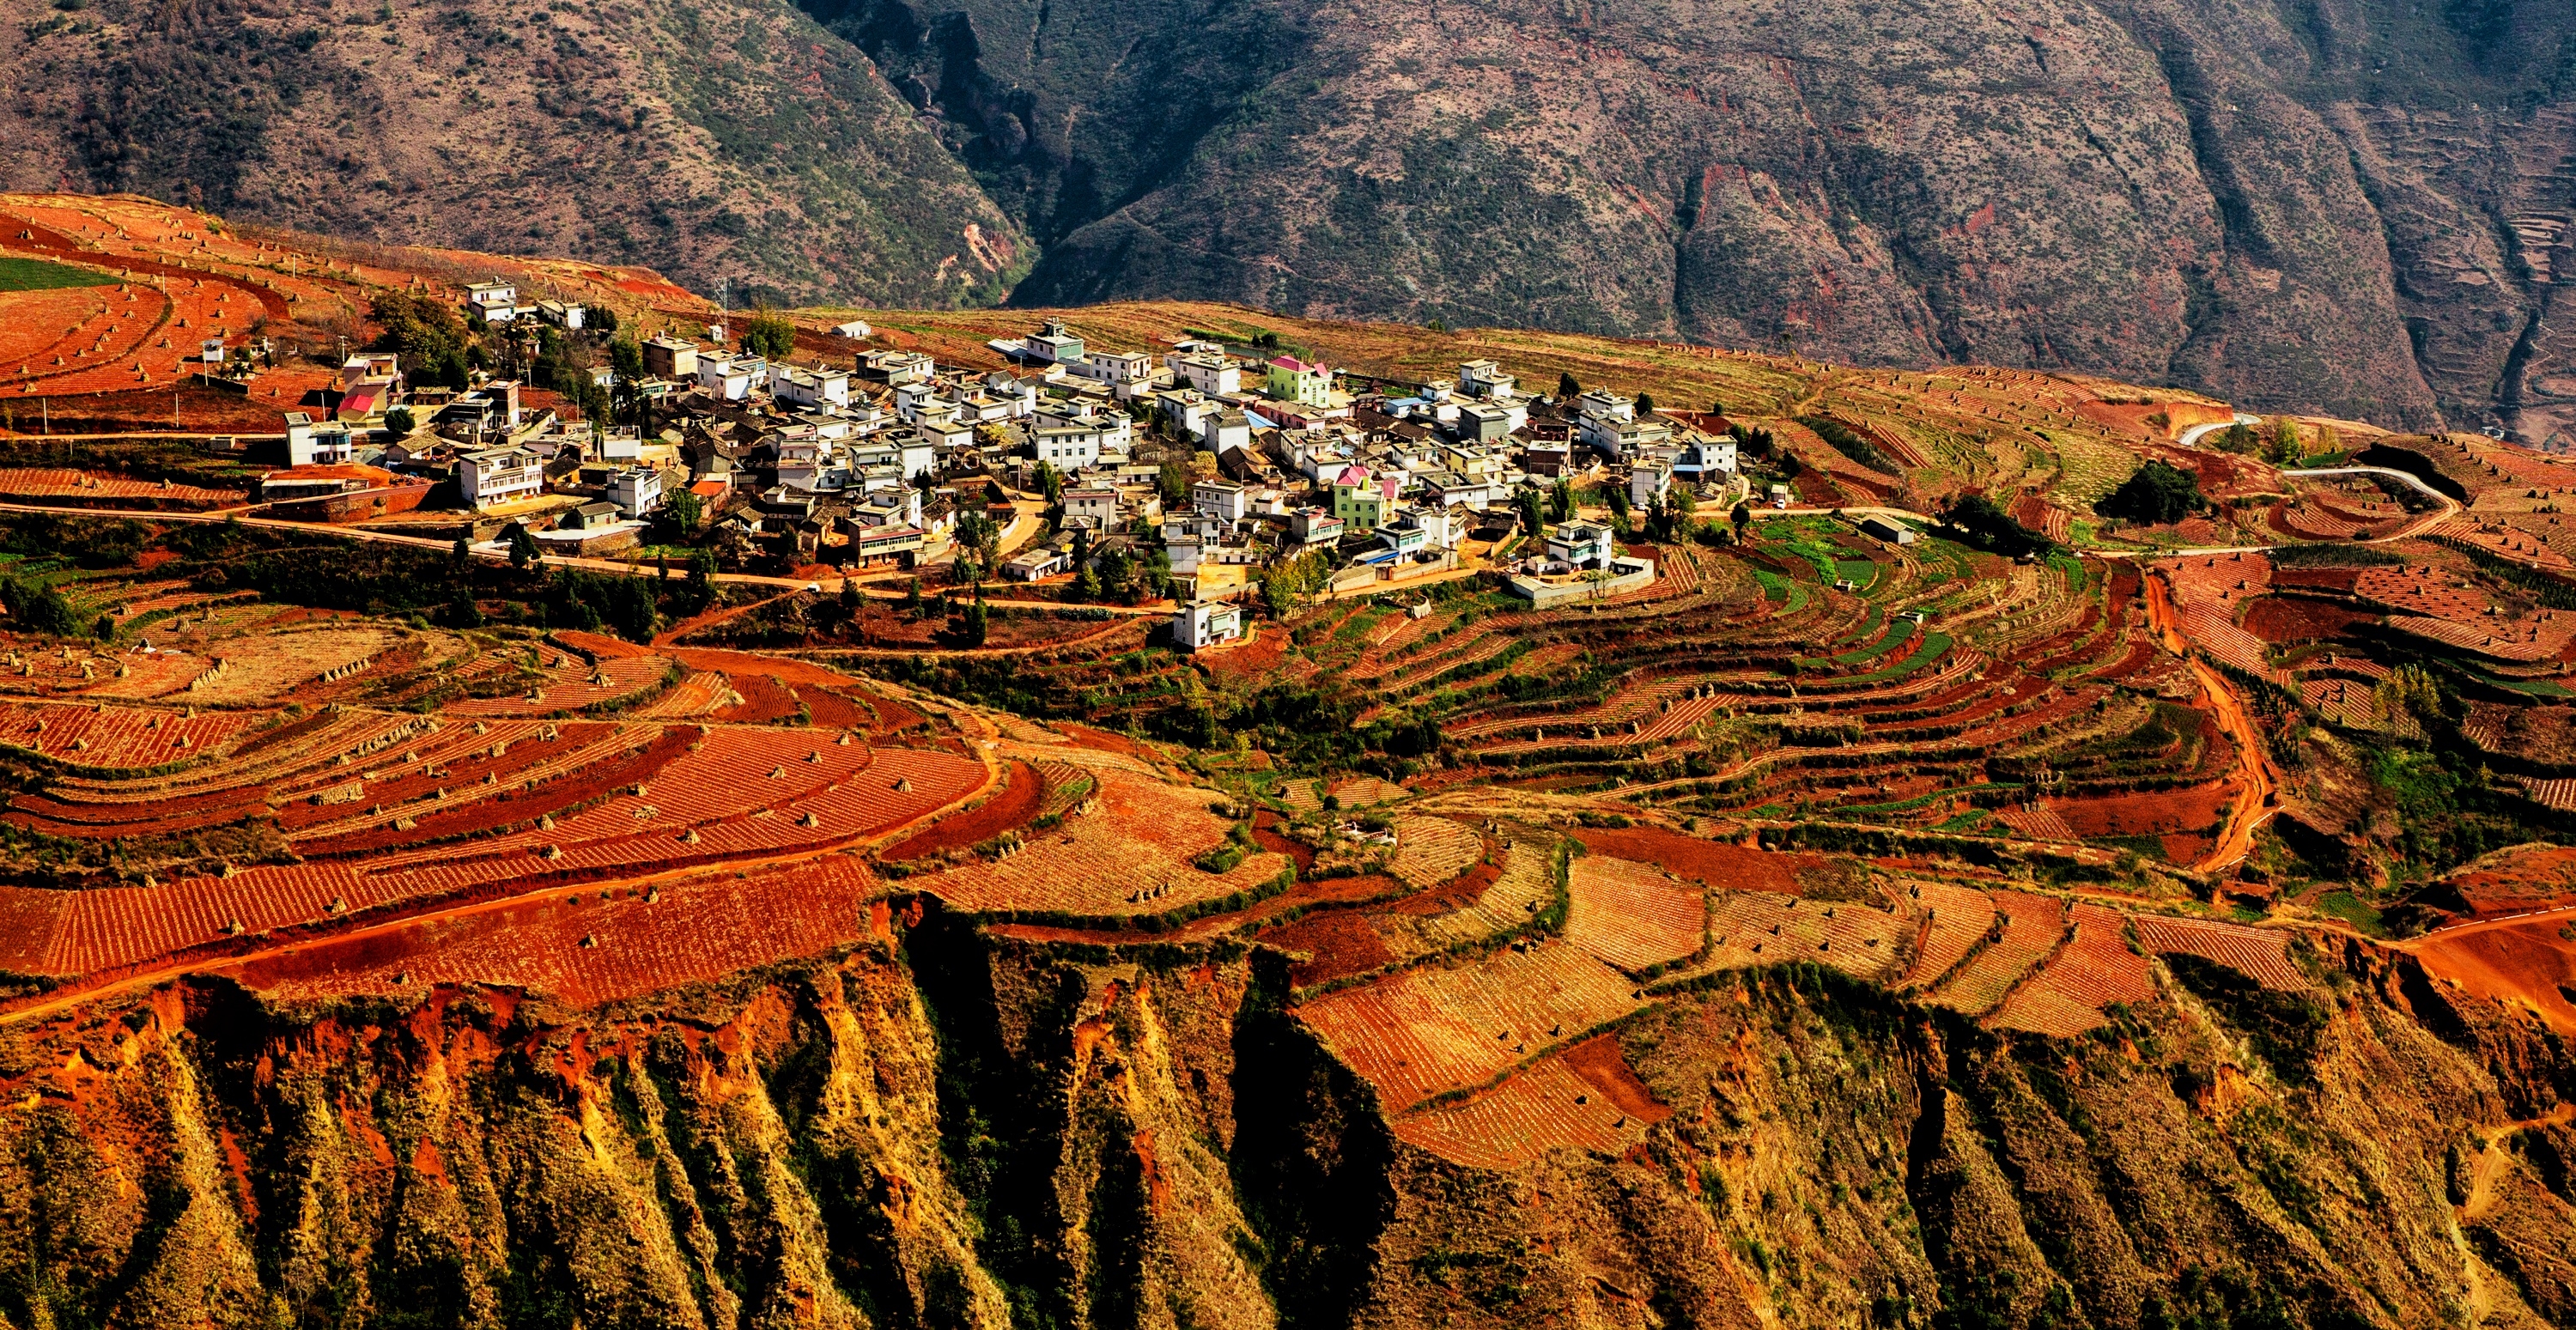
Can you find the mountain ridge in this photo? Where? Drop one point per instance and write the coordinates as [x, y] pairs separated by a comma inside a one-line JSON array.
[[2352, 208]]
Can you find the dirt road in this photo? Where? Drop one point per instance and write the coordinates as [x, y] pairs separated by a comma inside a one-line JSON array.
[[2258, 793]]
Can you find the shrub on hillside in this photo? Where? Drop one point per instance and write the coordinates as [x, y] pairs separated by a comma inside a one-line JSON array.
[[2157, 493]]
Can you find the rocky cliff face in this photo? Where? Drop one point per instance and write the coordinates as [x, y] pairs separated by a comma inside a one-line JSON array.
[[2354, 207], [956, 1135], [730, 141]]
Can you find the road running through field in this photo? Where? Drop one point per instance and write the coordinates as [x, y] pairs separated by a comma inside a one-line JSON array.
[[2258, 795]]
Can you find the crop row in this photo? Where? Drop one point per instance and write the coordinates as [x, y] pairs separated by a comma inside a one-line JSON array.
[[1634, 916], [1433, 1029]]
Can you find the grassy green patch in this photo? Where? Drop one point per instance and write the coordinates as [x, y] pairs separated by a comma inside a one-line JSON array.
[[1933, 645], [1903, 805], [2353, 910], [38, 275]]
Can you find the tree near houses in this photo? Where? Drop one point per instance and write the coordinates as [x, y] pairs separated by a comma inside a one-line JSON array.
[[770, 336], [979, 543]]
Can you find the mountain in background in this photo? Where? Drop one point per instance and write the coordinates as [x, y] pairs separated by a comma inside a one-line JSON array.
[[2349, 206]]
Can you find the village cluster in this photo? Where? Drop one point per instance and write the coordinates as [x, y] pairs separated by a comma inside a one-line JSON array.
[[1207, 466]]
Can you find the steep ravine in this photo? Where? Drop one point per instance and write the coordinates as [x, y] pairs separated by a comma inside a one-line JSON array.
[[974, 1134]]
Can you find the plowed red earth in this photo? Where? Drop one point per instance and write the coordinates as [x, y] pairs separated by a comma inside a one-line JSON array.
[[1304, 895], [745, 662], [511, 809], [1711, 863], [1600, 1061], [1008, 808], [764, 702], [2152, 813], [1339, 943], [704, 928], [2298, 619], [829, 709], [2527, 877], [2520, 962]]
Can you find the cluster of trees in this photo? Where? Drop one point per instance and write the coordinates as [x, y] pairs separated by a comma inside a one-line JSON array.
[[2153, 495], [769, 335], [1981, 522], [35, 607], [1117, 575], [429, 336]]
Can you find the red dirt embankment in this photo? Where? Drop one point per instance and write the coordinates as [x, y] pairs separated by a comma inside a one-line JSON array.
[[1710, 863], [2529, 962], [1010, 807]]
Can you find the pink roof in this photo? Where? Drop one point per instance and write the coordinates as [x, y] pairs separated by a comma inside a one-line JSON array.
[[1294, 366], [1354, 474]]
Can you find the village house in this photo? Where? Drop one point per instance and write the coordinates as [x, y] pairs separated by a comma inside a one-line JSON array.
[[810, 388], [1293, 380], [493, 476], [1648, 482], [895, 368], [493, 302], [1583, 544], [1053, 345], [1221, 499], [1206, 368], [1100, 505], [637, 490], [1202, 624], [670, 358], [1484, 378]]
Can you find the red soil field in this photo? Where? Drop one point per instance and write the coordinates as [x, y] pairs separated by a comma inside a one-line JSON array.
[[764, 702], [511, 807], [1135, 857], [28, 920], [2032, 927], [1711, 863], [1330, 891], [2260, 954], [2095, 969], [699, 929], [831, 710], [2298, 619], [744, 662], [1631, 915], [1436, 1028], [2516, 963], [1263, 835], [2150, 813], [1259, 655], [599, 645], [1582, 1098], [1104, 741], [1337, 943], [2527, 877], [1955, 918], [1011, 806]]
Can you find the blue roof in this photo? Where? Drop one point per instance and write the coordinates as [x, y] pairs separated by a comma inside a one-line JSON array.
[[1258, 422]]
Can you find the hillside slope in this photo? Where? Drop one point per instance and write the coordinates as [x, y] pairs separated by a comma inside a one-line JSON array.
[[951, 1135], [730, 141]]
